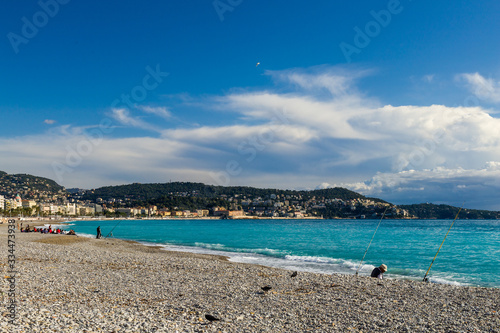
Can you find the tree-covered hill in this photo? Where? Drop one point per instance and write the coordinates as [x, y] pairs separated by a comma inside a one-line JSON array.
[[138, 191], [432, 211], [27, 184]]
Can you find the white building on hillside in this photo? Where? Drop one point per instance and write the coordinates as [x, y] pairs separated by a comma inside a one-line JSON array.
[[2, 202]]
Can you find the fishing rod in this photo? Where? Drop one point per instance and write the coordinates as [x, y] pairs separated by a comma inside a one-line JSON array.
[[425, 277], [113, 229], [371, 241]]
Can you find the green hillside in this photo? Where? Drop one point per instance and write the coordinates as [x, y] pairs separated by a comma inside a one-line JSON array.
[[27, 185], [431, 211], [138, 191]]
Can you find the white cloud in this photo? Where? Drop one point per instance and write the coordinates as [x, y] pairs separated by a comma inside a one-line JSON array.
[[323, 186], [428, 78], [123, 117], [336, 80], [486, 89], [292, 138], [159, 111], [49, 121], [477, 187]]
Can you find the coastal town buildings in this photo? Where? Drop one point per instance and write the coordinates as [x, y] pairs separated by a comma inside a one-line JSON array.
[[24, 195], [27, 195], [239, 206]]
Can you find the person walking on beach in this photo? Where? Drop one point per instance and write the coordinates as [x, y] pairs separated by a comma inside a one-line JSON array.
[[378, 272], [98, 232]]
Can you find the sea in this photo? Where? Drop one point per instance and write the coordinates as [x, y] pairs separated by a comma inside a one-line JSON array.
[[469, 255]]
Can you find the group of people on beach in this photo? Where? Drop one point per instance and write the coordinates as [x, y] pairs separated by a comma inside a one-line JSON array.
[[48, 230]]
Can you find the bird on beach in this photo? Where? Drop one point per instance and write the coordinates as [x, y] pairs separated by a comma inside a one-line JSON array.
[[211, 318], [294, 274], [266, 288]]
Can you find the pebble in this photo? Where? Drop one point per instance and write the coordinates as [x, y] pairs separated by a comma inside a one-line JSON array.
[[94, 286]]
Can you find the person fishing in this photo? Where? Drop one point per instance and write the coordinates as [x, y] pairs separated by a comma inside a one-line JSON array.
[[98, 232], [370, 244], [378, 272]]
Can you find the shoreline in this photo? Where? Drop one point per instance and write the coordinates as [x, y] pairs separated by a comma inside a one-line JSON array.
[[71, 284], [3, 220], [320, 265], [280, 256]]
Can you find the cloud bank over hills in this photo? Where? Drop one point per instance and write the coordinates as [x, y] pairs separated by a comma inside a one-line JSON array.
[[314, 127]]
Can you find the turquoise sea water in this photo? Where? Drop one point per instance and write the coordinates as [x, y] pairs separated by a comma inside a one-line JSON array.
[[470, 255]]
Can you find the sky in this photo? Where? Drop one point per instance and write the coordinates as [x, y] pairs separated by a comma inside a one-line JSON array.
[[398, 100]]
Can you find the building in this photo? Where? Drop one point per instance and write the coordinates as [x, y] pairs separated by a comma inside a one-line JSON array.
[[2, 202], [236, 213], [86, 210], [128, 211], [163, 212], [97, 209], [18, 203], [202, 212], [28, 203], [70, 209]]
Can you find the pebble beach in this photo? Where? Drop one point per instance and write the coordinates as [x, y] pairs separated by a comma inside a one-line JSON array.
[[77, 284]]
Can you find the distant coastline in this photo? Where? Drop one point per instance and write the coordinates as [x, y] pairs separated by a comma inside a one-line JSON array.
[[31, 196]]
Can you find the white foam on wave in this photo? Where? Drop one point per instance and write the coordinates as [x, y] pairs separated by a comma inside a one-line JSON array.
[[62, 226], [441, 280], [322, 265], [322, 260], [85, 235], [220, 247], [271, 258], [191, 249], [261, 251]]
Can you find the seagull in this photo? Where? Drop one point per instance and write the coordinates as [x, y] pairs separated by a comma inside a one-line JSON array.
[[267, 288], [294, 274], [257, 64], [211, 318]]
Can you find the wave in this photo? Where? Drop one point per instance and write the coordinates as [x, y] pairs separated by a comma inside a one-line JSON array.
[[62, 226], [439, 280], [85, 235], [263, 251], [273, 258], [323, 265]]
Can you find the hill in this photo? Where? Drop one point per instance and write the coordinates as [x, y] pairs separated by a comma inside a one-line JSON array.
[[28, 186], [189, 195], [146, 192], [432, 211]]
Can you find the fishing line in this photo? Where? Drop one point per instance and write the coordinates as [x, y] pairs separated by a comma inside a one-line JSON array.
[[371, 240], [425, 277]]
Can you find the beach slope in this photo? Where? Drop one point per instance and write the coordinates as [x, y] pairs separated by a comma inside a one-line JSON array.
[[76, 284]]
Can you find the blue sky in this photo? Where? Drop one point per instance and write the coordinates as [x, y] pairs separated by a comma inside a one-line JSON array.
[[393, 99]]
